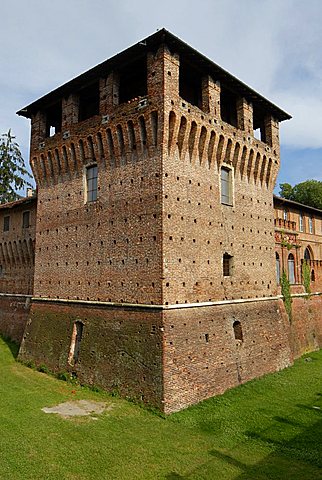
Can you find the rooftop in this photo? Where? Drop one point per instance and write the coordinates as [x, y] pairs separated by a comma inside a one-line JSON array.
[[22, 201], [299, 206], [139, 50]]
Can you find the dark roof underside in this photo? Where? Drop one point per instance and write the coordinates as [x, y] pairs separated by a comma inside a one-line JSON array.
[[140, 49], [22, 201], [297, 205]]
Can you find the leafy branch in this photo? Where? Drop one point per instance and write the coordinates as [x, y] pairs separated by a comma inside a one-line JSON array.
[[13, 173]]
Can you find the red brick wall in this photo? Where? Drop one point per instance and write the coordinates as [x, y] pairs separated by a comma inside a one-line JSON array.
[[108, 250], [121, 349], [14, 311], [17, 248], [306, 326], [202, 357]]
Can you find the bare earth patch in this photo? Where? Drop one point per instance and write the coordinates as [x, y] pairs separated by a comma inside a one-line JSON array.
[[77, 408]]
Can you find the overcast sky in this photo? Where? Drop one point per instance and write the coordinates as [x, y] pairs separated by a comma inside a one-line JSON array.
[[274, 46]]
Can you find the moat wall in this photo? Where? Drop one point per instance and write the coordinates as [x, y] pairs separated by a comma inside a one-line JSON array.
[[14, 311], [120, 351]]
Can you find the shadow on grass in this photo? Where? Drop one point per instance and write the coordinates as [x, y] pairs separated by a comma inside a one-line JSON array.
[[287, 421], [297, 456], [13, 346]]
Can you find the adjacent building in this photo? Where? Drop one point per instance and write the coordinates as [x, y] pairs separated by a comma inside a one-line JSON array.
[[17, 254], [298, 236]]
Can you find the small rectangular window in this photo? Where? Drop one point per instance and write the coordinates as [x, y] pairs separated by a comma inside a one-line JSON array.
[[227, 265], [226, 186], [301, 222], [311, 225], [6, 224], [26, 220], [91, 183]]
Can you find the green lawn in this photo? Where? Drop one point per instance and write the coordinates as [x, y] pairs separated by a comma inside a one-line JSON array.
[[268, 429]]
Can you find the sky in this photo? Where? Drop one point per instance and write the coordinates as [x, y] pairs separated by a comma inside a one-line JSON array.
[[274, 46]]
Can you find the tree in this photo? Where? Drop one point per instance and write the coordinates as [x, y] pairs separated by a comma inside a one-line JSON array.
[[13, 173], [308, 193], [286, 190]]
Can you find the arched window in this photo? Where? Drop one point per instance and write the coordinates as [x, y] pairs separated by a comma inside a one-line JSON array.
[[312, 276], [238, 332], [291, 268], [278, 268], [75, 342], [308, 254]]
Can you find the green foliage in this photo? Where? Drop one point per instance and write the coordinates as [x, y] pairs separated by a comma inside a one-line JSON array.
[[67, 377], [286, 190], [30, 364], [308, 193], [306, 274], [286, 292], [13, 174], [285, 242], [266, 429], [64, 376], [43, 368]]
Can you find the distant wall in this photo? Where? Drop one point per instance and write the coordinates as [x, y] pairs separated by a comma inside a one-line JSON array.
[[17, 246], [306, 324]]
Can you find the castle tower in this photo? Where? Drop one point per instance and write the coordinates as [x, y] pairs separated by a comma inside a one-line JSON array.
[[154, 266]]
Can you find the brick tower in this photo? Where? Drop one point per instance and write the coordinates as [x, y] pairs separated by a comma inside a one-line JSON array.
[[154, 266]]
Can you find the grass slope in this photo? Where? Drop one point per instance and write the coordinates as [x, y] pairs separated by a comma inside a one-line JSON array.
[[267, 429]]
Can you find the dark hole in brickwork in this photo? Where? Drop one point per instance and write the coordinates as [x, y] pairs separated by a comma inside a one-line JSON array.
[[53, 119], [133, 80], [228, 106], [227, 264], [190, 84], [89, 102], [75, 343], [238, 330]]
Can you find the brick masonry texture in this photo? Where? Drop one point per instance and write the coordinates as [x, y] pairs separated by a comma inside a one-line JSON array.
[[17, 255], [121, 348], [141, 271], [14, 312], [17, 244], [202, 358]]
